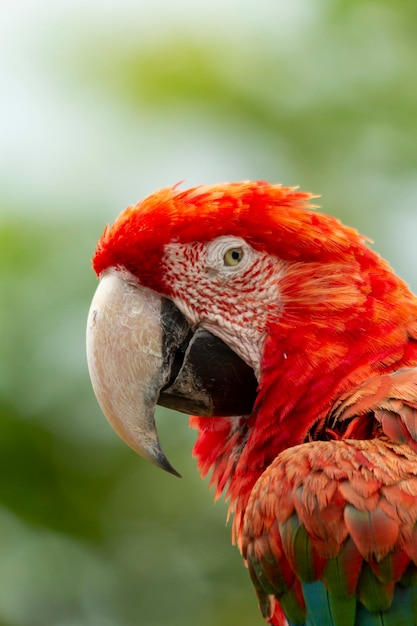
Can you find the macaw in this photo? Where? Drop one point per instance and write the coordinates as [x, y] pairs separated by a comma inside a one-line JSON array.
[[294, 345]]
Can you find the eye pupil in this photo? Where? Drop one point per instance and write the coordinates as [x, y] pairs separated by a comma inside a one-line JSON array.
[[233, 256]]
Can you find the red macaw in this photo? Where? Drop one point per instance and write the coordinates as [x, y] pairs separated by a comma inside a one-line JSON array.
[[241, 301]]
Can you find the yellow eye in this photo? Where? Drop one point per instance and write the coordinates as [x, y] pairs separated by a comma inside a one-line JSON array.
[[233, 256]]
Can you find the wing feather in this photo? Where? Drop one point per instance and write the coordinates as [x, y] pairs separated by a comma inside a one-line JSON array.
[[346, 531]]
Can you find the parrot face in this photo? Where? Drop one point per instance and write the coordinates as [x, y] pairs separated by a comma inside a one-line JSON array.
[[243, 263], [218, 285], [297, 344], [163, 298]]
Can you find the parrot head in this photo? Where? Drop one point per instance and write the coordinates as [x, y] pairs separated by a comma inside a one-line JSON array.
[[210, 298]]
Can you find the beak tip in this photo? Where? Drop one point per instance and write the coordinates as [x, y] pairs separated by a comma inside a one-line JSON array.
[[162, 462], [174, 472]]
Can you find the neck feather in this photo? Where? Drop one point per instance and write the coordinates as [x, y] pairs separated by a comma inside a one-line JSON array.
[[325, 344]]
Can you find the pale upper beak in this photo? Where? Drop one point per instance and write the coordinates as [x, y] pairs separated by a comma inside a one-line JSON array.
[[141, 351]]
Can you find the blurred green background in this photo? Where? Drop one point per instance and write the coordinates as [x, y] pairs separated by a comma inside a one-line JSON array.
[[101, 103]]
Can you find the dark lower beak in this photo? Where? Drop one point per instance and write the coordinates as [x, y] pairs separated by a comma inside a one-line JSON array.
[[141, 352]]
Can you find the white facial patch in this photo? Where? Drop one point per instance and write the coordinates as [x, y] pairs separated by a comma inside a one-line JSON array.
[[228, 288]]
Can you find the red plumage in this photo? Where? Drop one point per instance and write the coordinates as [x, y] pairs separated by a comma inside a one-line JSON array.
[[322, 477]]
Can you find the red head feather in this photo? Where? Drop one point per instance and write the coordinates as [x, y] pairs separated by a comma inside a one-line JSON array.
[[270, 217]]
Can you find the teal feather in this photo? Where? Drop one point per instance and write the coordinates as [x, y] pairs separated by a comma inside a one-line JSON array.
[[317, 605], [402, 612], [324, 609], [321, 609]]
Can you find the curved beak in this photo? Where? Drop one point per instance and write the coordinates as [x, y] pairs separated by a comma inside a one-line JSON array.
[[141, 351]]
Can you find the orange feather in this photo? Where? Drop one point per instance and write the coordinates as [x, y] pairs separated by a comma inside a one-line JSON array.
[[330, 505]]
